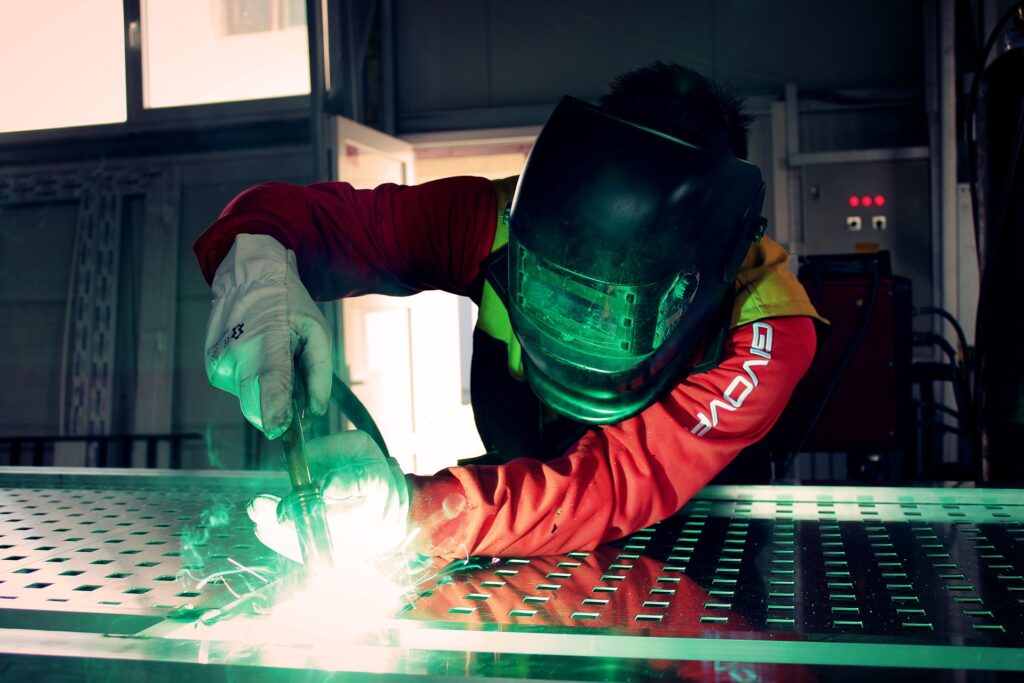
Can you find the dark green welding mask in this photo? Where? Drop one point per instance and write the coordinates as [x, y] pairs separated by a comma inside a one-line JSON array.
[[622, 244]]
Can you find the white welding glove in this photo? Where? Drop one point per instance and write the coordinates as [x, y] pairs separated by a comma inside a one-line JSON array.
[[365, 493], [262, 319]]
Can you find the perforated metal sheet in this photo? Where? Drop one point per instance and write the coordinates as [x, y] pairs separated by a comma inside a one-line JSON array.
[[772, 576], [895, 566], [135, 546]]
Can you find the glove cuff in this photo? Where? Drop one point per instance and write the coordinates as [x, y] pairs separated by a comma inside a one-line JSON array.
[[255, 258]]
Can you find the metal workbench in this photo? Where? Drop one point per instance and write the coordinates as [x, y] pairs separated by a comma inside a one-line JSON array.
[[100, 579]]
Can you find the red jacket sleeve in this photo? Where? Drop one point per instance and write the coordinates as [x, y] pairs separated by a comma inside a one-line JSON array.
[[393, 239], [620, 478]]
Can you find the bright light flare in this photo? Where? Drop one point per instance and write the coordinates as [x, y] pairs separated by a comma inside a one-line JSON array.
[[345, 604], [339, 605]]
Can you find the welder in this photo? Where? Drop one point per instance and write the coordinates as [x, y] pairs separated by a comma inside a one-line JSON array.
[[636, 328]]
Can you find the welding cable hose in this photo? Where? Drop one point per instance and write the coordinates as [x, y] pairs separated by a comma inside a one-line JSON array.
[[263, 318], [349, 405]]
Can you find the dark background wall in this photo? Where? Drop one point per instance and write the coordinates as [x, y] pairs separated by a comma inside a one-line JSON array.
[[468, 54]]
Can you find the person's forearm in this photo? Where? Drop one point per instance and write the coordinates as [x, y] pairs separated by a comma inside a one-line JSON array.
[[623, 477], [389, 240]]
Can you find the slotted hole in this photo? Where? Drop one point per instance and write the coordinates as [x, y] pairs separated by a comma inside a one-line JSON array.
[[649, 617], [461, 610], [25, 570], [535, 598], [582, 616], [706, 619], [147, 564], [138, 590], [38, 584], [522, 613], [187, 594], [118, 575], [165, 577], [72, 572], [103, 561], [87, 587]]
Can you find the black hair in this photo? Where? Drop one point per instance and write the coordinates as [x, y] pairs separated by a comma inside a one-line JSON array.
[[680, 102]]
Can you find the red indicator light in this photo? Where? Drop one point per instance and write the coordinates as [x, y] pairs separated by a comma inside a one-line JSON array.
[[855, 201], [879, 200], [865, 200]]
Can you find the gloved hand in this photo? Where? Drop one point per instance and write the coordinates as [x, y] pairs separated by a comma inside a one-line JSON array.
[[365, 493], [262, 319]]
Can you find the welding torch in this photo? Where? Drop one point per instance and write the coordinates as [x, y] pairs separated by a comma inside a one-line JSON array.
[[305, 504], [306, 507]]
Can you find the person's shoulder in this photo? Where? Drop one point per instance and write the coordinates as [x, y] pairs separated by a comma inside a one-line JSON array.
[[505, 188]]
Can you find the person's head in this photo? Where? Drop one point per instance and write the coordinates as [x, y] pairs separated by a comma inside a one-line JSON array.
[[680, 102], [628, 226]]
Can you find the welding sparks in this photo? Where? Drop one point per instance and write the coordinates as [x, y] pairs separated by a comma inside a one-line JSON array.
[[375, 573], [342, 604], [355, 600], [248, 569]]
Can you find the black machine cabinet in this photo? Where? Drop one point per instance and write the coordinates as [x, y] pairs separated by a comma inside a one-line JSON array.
[[856, 397], [871, 405]]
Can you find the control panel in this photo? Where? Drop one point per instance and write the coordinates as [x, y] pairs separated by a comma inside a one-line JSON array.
[[872, 206]]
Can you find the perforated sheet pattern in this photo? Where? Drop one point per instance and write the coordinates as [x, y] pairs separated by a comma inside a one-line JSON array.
[[896, 566], [139, 547], [787, 575]]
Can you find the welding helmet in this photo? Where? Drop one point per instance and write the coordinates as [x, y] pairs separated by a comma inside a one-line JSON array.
[[623, 243]]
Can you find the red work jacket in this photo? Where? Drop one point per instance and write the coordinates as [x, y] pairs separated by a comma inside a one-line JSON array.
[[613, 480]]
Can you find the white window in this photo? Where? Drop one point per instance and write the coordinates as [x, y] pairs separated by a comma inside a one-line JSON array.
[[205, 51], [62, 64]]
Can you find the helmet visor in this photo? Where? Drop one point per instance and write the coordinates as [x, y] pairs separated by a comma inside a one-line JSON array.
[[579, 322]]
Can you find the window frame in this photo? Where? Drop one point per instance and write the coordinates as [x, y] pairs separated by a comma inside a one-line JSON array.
[[142, 121]]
